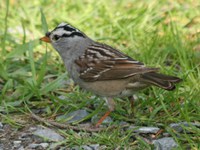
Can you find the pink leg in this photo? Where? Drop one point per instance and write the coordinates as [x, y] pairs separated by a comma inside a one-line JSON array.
[[102, 119]]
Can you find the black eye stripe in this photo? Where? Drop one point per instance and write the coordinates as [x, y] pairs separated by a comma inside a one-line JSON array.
[[56, 37], [67, 28], [47, 34]]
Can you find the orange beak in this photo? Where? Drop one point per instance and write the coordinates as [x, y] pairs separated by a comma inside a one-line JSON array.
[[45, 39]]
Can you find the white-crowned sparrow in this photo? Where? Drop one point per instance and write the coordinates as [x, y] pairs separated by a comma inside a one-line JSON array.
[[101, 69]]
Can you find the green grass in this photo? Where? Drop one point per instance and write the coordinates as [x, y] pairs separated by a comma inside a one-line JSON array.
[[160, 33]]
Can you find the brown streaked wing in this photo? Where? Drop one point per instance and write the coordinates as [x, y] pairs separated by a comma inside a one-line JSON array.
[[115, 65]]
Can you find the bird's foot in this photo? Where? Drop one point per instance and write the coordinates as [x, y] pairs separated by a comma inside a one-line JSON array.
[[102, 119]]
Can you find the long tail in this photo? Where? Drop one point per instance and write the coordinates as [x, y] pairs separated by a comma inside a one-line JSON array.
[[163, 81]]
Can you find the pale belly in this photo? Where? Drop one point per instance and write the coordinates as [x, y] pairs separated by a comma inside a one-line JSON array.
[[113, 88]]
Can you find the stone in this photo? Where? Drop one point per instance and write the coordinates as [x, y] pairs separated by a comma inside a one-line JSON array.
[[73, 116], [62, 97], [21, 148], [166, 143], [1, 125], [87, 147], [90, 147], [37, 146], [31, 129], [146, 130], [179, 127], [124, 123], [166, 134], [48, 133], [1, 146], [17, 144]]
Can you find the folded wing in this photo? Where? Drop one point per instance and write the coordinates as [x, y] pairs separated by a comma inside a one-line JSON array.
[[102, 62]]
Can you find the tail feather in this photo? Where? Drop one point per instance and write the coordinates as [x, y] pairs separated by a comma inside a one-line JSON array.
[[163, 81]]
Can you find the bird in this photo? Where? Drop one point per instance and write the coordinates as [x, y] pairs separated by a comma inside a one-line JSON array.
[[102, 69]]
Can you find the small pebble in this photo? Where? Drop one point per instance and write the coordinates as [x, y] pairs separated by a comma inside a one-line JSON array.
[[86, 147], [166, 143], [21, 148], [179, 127], [17, 144], [165, 134], [123, 123], [62, 97], [36, 146], [1, 146], [145, 130], [1, 125], [48, 133], [32, 129]]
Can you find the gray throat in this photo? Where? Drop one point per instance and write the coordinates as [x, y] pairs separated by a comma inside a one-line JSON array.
[[69, 50]]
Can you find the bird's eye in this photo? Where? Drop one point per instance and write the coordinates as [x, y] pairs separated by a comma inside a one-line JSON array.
[[56, 37]]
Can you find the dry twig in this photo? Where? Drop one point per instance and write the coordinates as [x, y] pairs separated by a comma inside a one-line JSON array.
[[66, 126]]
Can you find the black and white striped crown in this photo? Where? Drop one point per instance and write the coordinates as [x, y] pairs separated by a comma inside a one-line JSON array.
[[65, 30]]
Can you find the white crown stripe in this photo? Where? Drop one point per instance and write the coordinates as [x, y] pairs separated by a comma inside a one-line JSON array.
[[97, 53], [105, 51], [62, 24]]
